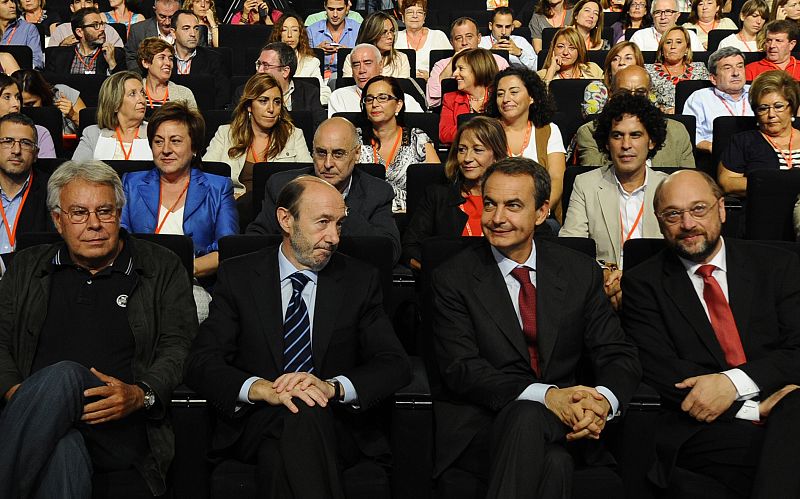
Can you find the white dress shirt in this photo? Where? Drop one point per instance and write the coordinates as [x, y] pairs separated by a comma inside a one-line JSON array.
[[647, 40], [527, 58], [709, 103]]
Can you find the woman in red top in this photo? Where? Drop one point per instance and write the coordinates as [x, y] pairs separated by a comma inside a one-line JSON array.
[[473, 70]]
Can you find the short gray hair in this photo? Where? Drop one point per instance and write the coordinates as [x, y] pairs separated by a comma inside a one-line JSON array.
[[720, 54], [375, 50], [653, 5], [91, 171]]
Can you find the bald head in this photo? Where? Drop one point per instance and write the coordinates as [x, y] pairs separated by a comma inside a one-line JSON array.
[[336, 148], [631, 78], [337, 126], [678, 184]]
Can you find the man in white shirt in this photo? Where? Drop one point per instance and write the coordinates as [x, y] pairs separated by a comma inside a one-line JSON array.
[[520, 52], [365, 59], [728, 97], [665, 15], [718, 331]]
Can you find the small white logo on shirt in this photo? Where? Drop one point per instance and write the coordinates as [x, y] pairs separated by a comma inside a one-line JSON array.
[[122, 301]]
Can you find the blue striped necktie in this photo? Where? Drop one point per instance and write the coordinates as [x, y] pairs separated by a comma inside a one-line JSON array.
[[297, 330]]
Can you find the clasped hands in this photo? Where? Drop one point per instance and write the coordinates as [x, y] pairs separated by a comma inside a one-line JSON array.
[[304, 386], [582, 408]]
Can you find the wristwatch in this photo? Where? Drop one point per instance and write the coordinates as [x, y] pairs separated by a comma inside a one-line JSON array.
[[149, 396], [338, 393]]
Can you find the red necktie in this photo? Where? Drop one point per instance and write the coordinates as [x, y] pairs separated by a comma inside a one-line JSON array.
[[527, 311], [721, 318]]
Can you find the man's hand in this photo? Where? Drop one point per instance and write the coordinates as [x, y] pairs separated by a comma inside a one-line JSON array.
[[598, 421], [328, 48], [11, 391], [578, 407], [303, 381], [710, 396], [108, 55], [421, 73], [612, 286], [118, 400], [69, 40], [507, 44], [765, 406], [263, 390]]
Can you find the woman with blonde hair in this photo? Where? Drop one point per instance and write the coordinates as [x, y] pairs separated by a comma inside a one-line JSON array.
[[206, 12], [673, 64], [473, 71], [380, 29], [567, 58], [587, 18], [289, 30]]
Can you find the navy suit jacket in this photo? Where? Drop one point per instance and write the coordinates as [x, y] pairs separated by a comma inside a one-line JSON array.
[[209, 213]]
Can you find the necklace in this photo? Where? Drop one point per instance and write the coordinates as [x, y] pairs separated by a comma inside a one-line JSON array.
[[481, 100], [572, 70], [524, 143]]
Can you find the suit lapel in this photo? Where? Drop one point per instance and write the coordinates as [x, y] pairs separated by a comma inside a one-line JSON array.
[[197, 193], [149, 193], [328, 301], [550, 294], [608, 198], [266, 291], [741, 282]]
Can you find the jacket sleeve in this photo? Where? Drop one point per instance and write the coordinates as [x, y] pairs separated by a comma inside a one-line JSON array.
[[448, 123], [266, 222], [227, 219], [588, 153], [300, 147], [85, 149], [576, 222], [684, 148], [421, 227]]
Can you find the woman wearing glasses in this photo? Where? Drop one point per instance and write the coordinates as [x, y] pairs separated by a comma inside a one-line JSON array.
[[120, 132], [473, 70], [774, 97], [261, 131], [387, 140], [290, 30], [673, 64], [705, 16], [419, 38], [380, 29], [754, 15], [567, 58], [635, 14]]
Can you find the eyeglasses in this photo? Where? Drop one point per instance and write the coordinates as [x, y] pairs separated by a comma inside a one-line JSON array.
[[81, 215], [26, 145], [267, 66], [382, 98], [661, 13], [638, 5], [414, 13], [95, 25], [642, 92], [337, 154], [698, 211], [779, 107]]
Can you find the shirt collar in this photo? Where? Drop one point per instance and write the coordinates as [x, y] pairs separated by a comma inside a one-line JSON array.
[[347, 189], [191, 56], [289, 89], [719, 260], [123, 263], [639, 189], [507, 265], [20, 192], [287, 268], [726, 96]]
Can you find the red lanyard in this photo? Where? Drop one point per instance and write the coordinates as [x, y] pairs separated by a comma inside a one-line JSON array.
[[130, 18], [171, 208], [787, 159], [11, 36], [127, 153], [90, 65], [633, 228], [151, 102], [747, 45], [376, 154], [728, 107], [524, 144], [713, 26], [12, 233]]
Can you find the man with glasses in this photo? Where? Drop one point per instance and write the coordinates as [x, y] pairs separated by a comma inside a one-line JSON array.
[[18, 31], [92, 343], [718, 331], [464, 35], [365, 60], [368, 199], [92, 54], [63, 35], [665, 15], [781, 39], [335, 31], [193, 59], [520, 52], [159, 25], [677, 150]]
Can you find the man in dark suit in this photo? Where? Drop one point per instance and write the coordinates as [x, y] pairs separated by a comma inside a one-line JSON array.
[[158, 25], [92, 54], [296, 349], [511, 321], [368, 199], [718, 330], [191, 59]]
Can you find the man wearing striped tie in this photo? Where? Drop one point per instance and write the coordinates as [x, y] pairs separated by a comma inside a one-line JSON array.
[[296, 349]]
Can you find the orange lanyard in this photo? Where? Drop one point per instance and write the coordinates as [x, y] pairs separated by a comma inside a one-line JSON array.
[[11, 36], [130, 18], [127, 153], [787, 159], [376, 154], [713, 26], [12, 233], [747, 45], [151, 101], [255, 156], [419, 45], [90, 65], [524, 144], [633, 228], [171, 208], [728, 107], [563, 18]]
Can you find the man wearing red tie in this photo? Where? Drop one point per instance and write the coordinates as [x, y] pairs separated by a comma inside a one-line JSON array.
[[513, 318], [718, 330]]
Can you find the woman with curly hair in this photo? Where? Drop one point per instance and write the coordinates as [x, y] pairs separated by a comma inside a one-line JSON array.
[[261, 131], [380, 29], [289, 30], [567, 58], [525, 109]]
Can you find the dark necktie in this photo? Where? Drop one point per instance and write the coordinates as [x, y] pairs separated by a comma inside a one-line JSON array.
[[527, 311], [721, 317], [297, 330]]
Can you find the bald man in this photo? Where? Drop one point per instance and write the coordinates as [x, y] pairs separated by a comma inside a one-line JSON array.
[[677, 150], [286, 370]]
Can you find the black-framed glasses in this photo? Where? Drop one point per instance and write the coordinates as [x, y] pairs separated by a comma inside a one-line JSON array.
[[698, 211], [79, 215], [666, 12], [267, 66], [382, 98], [95, 25], [26, 145]]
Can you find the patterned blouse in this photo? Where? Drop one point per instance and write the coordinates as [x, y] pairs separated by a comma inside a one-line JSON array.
[[595, 97], [411, 151], [664, 83]]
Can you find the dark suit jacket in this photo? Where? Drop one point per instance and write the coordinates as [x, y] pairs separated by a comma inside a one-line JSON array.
[[35, 216], [369, 207], [207, 62], [664, 317], [481, 350], [243, 336], [59, 61], [139, 32], [305, 97], [438, 214]]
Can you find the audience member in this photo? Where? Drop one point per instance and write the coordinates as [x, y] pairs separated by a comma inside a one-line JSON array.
[[366, 63], [510, 343], [673, 64], [176, 197], [206, 12], [336, 30], [419, 38], [368, 199], [728, 97], [774, 98], [37, 92], [18, 31], [158, 26], [677, 150], [587, 18], [11, 102], [192, 59], [620, 56], [473, 70], [636, 15], [120, 132], [308, 405], [350, 14], [716, 325], [785, 10], [289, 30], [525, 109], [464, 35], [387, 140], [455, 208], [156, 60], [548, 14], [567, 58], [520, 52], [114, 319], [705, 16], [665, 14], [253, 12], [121, 14], [754, 15], [63, 35], [781, 38], [380, 29], [93, 54], [35, 12]]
